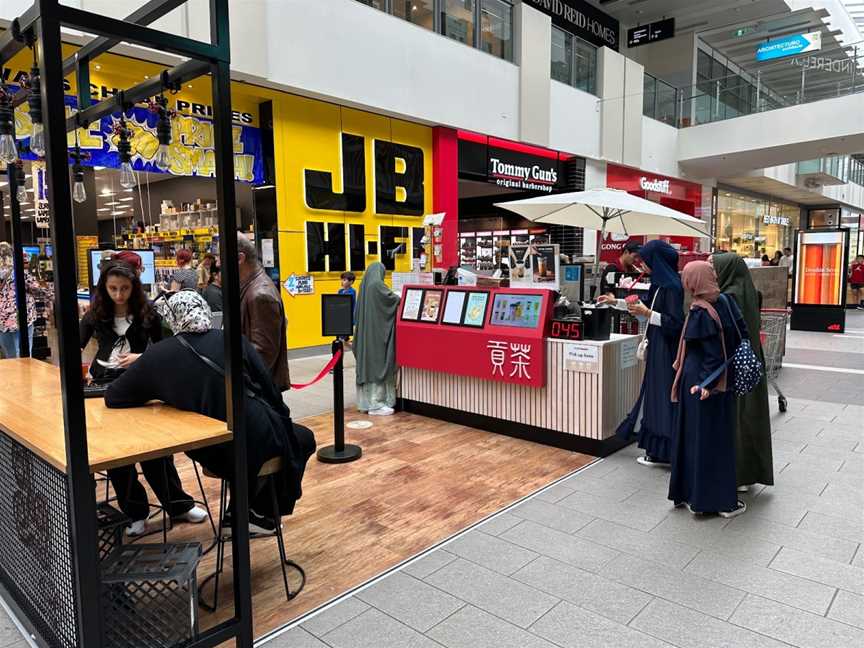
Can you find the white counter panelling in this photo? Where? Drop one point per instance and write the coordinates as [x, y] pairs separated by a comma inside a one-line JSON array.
[[584, 403]]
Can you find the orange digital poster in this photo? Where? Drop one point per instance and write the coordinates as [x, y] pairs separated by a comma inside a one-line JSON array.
[[819, 279]]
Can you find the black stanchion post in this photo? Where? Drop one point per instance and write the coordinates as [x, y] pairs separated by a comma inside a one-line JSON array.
[[339, 452]]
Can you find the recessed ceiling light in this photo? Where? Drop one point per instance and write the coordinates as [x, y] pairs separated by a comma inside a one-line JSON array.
[[126, 199], [117, 213], [113, 202], [189, 86], [103, 209], [97, 66], [98, 168], [128, 190]]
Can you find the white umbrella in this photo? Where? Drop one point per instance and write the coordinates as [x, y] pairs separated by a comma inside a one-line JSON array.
[[607, 210]]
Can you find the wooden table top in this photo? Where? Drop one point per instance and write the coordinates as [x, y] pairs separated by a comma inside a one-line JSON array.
[[31, 412]]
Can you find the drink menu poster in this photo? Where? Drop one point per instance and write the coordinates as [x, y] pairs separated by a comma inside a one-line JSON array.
[[431, 305], [411, 304], [519, 311], [453, 308]]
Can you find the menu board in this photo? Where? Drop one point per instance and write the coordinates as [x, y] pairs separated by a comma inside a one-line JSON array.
[[475, 309], [431, 305], [519, 311], [453, 307], [411, 304]]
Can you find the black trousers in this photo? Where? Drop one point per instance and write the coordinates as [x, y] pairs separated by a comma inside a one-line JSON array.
[[162, 476]]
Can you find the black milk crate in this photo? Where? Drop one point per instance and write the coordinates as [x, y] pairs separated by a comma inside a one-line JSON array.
[[150, 595], [109, 528]]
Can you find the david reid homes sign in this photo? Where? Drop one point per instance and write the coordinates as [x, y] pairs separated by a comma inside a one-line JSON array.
[[582, 19]]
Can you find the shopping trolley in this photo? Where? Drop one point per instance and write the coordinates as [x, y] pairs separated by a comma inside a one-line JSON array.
[[772, 334]]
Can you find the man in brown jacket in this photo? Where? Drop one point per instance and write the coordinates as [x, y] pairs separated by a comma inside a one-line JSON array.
[[262, 315]]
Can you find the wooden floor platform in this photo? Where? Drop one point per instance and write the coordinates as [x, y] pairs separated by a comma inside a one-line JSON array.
[[419, 481]]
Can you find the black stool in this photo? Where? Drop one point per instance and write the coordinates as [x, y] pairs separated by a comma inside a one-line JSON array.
[[268, 472]]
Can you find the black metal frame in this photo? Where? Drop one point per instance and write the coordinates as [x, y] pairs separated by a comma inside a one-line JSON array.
[[40, 26]]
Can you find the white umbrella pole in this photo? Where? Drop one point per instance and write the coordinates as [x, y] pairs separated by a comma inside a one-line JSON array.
[[597, 277]]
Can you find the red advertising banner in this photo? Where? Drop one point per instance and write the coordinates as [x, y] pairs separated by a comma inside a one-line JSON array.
[[491, 334]]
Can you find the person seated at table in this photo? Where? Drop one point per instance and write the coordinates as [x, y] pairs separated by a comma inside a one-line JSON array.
[[187, 372], [123, 323]]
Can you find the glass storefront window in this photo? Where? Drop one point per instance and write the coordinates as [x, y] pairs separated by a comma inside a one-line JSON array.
[[419, 12], [562, 56], [458, 20], [753, 226], [496, 28], [574, 61]]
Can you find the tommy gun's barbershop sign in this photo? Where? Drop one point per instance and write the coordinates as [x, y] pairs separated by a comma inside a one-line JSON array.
[[582, 19]]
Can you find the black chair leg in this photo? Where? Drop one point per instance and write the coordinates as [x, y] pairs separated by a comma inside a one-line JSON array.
[[206, 506], [283, 560], [279, 540], [220, 552]]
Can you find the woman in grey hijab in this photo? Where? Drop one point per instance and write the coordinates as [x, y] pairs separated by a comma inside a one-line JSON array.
[[375, 343]]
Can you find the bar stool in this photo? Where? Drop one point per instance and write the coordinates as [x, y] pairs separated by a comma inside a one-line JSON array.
[[268, 472]]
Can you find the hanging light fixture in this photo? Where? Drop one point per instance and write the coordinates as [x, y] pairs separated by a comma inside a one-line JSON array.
[[159, 106], [79, 192], [124, 150], [8, 146], [34, 104]]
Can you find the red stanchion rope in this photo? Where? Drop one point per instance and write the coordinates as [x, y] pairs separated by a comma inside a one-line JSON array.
[[326, 370]]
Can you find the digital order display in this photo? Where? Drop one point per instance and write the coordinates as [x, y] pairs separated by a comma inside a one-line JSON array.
[[519, 311], [566, 330]]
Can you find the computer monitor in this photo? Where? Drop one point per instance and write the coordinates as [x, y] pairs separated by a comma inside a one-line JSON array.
[[148, 259]]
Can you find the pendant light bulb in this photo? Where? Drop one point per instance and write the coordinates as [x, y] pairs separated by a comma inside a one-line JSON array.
[[21, 194], [127, 176], [37, 140], [79, 192], [163, 158], [8, 149]]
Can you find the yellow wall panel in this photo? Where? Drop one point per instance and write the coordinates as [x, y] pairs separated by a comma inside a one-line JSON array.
[[307, 135]]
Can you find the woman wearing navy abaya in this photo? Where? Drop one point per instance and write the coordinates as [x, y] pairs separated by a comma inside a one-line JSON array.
[[664, 308], [703, 459]]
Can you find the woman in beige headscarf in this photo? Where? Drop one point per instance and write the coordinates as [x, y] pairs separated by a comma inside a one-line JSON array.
[[703, 455]]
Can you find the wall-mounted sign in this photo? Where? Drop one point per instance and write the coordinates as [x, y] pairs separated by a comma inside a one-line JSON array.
[[516, 170], [300, 285], [582, 19], [770, 219], [656, 185], [824, 64], [789, 46], [651, 33]]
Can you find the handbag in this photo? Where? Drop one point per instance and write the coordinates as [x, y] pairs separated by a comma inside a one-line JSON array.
[[642, 349], [747, 368]]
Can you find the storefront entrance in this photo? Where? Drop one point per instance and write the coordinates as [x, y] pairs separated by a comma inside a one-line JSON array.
[[753, 225], [492, 170]]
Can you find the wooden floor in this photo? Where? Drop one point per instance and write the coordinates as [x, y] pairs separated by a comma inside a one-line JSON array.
[[419, 481]]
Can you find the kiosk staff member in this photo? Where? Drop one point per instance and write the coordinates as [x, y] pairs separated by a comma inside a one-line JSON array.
[[626, 264]]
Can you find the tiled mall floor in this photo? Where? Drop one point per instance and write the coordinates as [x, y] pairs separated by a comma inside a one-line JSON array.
[[601, 559]]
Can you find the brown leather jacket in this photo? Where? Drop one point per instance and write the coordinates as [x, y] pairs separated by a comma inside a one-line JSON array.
[[262, 321]]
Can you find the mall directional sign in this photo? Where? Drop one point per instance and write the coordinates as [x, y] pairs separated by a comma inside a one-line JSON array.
[[789, 46]]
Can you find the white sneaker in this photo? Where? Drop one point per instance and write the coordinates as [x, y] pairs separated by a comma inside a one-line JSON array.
[[137, 528], [741, 508], [195, 515], [743, 488], [645, 460], [382, 411]]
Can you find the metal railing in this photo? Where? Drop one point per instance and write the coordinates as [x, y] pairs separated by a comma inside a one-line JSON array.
[[788, 82]]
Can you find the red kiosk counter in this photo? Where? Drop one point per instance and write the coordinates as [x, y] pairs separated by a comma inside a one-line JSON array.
[[493, 359]]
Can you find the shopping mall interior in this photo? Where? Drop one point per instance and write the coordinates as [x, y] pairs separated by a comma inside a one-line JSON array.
[[454, 323]]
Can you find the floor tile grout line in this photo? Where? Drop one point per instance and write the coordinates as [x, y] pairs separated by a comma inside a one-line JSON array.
[[276, 632], [695, 556], [336, 627], [833, 598], [854, 554], [757, 632], [650, 600], [449, 616]]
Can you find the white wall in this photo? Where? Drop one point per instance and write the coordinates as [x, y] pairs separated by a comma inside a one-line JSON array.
[[776, 137], [343, 49], [533, 43], [659, 147], [574, 121], [671, 60]]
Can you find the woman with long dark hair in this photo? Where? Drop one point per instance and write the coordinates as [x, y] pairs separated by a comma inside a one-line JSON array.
[[124, 323]]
